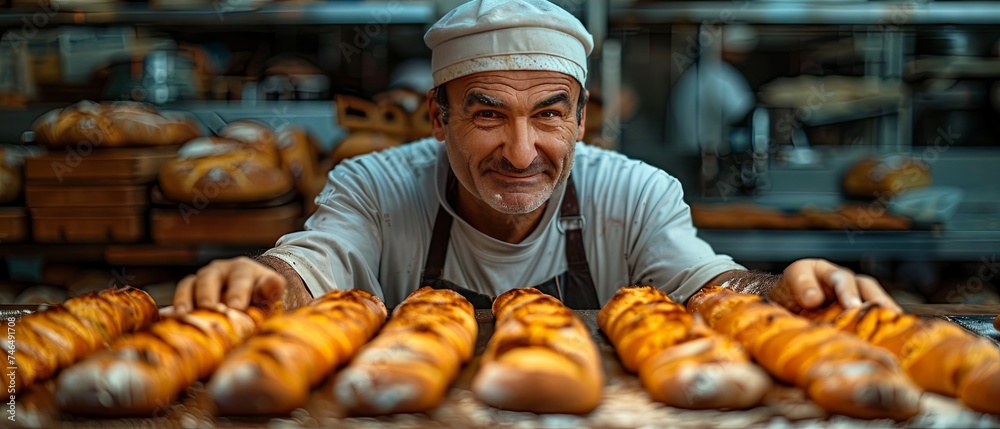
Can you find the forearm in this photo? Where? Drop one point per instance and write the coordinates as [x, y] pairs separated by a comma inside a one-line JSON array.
[[296, 292]]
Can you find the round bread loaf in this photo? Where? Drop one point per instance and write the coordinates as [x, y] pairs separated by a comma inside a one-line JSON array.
[[222, 170], [255, 136], [118, 124]]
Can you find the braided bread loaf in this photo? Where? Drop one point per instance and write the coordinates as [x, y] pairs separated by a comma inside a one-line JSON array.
[[44, 342], [680, 361], [410, 364], [839, 372], [938, 356], [144, 372], [274, 371], [541, 357]]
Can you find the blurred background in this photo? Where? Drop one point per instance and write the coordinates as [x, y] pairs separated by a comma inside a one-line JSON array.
[[859, 131]]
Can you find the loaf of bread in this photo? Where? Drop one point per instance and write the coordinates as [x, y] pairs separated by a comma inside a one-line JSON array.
[[838, 371], [143, 373], [274, 371], [409, 365], [54, 338], [299, 157], [680, 360], [541, 357], [219, 169], [939, 356], [254, 135], [117, 124], [879, 178]]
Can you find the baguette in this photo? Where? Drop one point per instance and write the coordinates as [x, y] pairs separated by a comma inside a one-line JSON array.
[[680, 360], [409, 365], [938, 356], [42, 343], [274, 371], [839, 372], [144, 372], [540, 359]]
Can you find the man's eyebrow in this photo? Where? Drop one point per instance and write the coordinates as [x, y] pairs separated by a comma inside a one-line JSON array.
[[561, 97], [480, 98]]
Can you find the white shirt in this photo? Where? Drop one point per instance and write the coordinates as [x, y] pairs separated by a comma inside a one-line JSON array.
[[373, 228]]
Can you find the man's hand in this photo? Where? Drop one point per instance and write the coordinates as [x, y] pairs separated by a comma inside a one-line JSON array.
[[231, 282], [810, 283]]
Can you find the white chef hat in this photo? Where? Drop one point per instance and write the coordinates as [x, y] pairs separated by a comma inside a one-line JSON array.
[[488, 35]]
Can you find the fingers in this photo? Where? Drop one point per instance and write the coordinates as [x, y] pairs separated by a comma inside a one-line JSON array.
[[806, 279], [270, 287], [812, 282], [228, 283], [239, 288], [184, 295], [871, 291], [845, 286], [208, 286]]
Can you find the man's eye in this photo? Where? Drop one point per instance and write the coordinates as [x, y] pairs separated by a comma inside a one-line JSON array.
[[487, 114], [550, 114]]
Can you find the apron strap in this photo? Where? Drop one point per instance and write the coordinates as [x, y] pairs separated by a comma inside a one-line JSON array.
[[434, 267], [579, 290]]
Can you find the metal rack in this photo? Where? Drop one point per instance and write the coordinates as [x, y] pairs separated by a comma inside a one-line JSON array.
[[896, 13], [284, 14]]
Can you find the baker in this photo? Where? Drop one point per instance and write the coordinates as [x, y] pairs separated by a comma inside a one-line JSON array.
[[504, 195]]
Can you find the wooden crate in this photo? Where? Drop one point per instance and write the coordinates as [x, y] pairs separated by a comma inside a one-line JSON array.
[[255, 226], [13, 224], [38, 196], [88, 225], [98, 166]]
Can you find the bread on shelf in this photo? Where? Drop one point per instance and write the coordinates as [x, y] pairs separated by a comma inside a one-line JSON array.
[[113, 124], [219, 169]]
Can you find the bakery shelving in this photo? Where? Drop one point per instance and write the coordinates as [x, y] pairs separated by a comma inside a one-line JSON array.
[[893, 13], [229, 13]]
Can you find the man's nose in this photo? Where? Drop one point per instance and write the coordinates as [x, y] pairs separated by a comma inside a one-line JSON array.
[[520, 146]]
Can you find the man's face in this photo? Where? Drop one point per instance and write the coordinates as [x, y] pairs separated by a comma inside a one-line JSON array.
[[511, 135]]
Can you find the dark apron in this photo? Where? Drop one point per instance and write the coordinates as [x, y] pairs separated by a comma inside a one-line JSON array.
[[575, 287]]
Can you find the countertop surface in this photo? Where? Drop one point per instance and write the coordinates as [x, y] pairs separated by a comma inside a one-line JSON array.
[[625, 404]]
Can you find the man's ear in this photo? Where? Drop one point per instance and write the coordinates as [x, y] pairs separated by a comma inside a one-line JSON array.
[[435, 113]]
